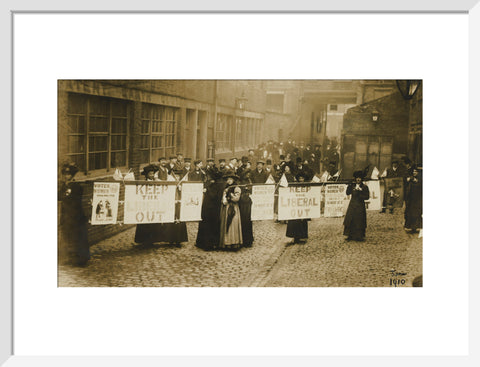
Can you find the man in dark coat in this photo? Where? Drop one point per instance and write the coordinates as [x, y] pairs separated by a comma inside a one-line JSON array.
[[162, 173], [73, 247], [259, 175], [197, 174], [211, 169], [187, 167], [208, 235], [318, 158], [355, 221]]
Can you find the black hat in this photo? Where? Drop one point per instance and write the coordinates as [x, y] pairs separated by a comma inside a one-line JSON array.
[[301, 174], [221, 160], [395, 161], [186, 160], [332, 163], [161, 159], [230, 173], [210, 160], [282, 156], [406, 160], [197, 161], [150, 167], [173, 157], [244, 159], [358, 174], [299, 159], [269, 161], [69, 169]]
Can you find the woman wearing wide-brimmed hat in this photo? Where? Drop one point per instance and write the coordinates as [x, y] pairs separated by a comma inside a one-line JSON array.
[[355, 222], [230, 220], [73, 245]]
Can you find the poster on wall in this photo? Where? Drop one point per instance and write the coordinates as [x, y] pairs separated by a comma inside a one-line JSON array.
[[299, 202], [191, 202], [336, 200], [105, 203], [375, 202], [263, 197], [149, 203]]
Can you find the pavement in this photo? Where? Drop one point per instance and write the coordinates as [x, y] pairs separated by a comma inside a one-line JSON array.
[[389, 256]]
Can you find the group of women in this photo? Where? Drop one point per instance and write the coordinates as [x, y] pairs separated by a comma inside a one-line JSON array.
[[226, 215]]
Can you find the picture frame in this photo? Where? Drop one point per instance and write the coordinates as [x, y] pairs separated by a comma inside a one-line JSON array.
[[7, 327]]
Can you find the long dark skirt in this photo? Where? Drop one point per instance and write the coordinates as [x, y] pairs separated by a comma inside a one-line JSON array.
[[355, 221], [413, 215], [245, 206], [147, 233], [297, 229], [73, 244]]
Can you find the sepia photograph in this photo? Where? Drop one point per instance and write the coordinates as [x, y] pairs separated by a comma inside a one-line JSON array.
[[240, 183]]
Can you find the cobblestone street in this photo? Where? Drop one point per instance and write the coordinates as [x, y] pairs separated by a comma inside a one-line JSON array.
[[326, 260]]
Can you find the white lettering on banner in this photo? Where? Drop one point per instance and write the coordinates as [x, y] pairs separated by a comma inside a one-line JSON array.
[[263, 197], [191, 203], [149, 203], [374, 203], [299, 202], [105, 203], [336, 200]]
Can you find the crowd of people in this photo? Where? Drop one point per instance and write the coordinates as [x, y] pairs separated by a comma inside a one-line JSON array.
[[226, 209]]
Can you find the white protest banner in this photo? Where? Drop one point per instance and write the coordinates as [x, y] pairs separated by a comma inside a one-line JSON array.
[[191, 203], [149, 203], [299, 202], [105, 202], [336, 200], [374, 203], [263, 197]]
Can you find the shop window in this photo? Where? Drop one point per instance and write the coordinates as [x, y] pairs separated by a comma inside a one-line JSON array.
[[223, 135], [97, 132]]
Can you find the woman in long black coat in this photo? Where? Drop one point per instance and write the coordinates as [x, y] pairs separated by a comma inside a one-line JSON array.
[[413, 202], [298, 228], [73, 238], [245, 206], [355, 221], [208, 234]]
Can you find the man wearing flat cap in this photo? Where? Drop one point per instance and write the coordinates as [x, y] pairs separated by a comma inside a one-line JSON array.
[[162, 173], [259, 175]]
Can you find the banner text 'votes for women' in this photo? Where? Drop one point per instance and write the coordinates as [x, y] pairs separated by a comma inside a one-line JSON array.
[[149, 203], [105, 203]]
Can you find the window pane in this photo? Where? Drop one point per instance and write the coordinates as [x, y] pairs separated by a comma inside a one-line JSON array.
[[169, 114], [156, 127], [119, 142], [97, 160], [119, 159], [145, 141], [145, 127], [157, 113], [119, 108], [157, 141], [76, 124], [76, 144], [146, 111], [144, 156], [119, 126], [98, 143], [98, 124], [99, 106], [77, 104]]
